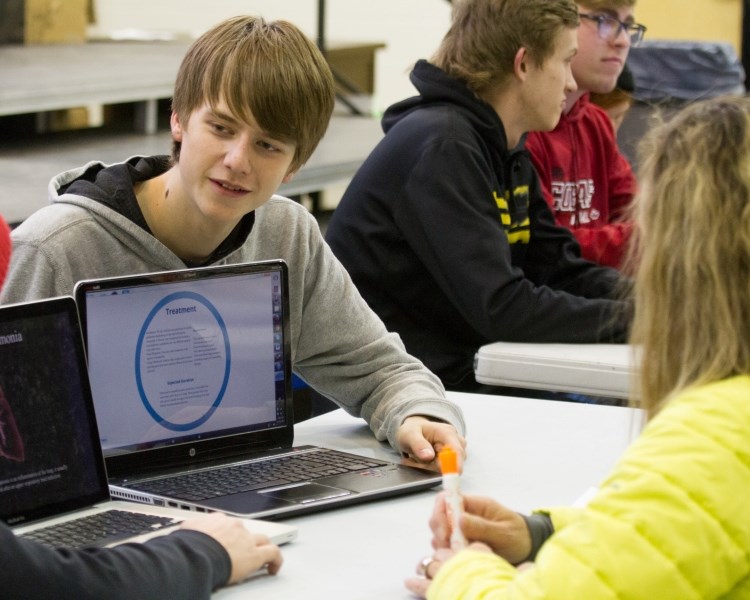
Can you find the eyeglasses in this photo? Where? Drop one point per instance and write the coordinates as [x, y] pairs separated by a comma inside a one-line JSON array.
[[609, 28]]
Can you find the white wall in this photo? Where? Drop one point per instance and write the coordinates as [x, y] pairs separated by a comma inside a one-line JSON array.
[[411, 29]]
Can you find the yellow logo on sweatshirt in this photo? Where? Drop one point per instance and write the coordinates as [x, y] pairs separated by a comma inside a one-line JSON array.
[[517, 232]]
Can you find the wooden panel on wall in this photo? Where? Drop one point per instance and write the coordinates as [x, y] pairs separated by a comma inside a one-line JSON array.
[[55, 22], [700, 20]]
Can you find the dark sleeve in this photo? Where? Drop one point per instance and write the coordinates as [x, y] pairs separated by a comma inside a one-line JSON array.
[[540, 528], [185, 564], [447, 213]]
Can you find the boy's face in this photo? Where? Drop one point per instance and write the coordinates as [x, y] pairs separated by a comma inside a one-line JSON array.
[[546, 86], [227, 167], [599, 61]]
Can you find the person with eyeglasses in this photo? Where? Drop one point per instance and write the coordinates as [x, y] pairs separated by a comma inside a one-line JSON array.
[[585, 178]]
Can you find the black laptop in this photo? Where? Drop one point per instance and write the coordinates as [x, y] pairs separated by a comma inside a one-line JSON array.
[[191, 378], [53, 484]]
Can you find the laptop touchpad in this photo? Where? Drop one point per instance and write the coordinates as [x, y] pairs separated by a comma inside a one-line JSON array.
[[307, 492]]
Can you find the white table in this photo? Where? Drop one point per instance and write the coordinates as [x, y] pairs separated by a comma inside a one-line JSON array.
[[525, 453]]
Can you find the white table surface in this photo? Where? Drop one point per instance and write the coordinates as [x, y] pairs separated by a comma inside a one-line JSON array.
[[525, 453]]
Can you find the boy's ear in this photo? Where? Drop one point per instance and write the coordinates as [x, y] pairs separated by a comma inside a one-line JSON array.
[[288, 176], [176, 126], [520, 63]]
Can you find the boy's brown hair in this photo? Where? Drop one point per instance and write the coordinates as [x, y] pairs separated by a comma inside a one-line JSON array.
[[485, 35], [269, 69]]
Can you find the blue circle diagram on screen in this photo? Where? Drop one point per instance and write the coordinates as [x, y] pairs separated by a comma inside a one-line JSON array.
[[182, 361]]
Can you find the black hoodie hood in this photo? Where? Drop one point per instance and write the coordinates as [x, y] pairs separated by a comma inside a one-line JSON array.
[[114, 187], [437, 88]]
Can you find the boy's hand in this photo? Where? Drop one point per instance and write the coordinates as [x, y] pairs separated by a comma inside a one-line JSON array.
[[421, 439]]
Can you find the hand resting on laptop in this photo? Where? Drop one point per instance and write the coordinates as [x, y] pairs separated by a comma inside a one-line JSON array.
[[248, 551]]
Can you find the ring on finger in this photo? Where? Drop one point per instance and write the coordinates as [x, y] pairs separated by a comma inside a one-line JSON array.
[[423, 568]]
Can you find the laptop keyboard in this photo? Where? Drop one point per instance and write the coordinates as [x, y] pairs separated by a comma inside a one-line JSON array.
[[245, 477], [100, 529]]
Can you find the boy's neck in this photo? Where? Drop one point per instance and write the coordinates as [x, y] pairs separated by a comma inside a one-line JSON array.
[[176, 223], [508, 109]]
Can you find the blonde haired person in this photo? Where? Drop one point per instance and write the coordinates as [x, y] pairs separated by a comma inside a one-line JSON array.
[[252, 100], [672, 519]]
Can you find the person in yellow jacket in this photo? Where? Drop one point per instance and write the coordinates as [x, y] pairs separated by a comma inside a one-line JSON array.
[[672, 520]]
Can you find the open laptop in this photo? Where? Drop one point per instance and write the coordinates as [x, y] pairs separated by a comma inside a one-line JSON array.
[[53, 484], [191, 377]]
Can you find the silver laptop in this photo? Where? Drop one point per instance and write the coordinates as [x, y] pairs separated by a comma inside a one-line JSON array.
[[191, 377], [53, 484]]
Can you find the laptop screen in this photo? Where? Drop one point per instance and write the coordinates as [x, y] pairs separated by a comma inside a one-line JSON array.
[[50, 460], [187, 355]]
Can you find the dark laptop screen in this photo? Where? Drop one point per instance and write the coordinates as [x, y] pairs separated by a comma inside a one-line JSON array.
[[50, 460], [188, 355]]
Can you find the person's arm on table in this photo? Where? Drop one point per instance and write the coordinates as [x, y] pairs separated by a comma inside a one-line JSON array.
[[488, 526], [204, 554], [348, 355], [247, 551]]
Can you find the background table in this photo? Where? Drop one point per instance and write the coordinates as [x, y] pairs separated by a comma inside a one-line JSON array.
[[594, 369], [50, 77], [26, 169], [526, 453], [37, 79]]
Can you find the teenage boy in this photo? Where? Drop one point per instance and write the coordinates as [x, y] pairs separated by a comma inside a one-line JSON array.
[[251, 101], [587, 182], [444, 228]]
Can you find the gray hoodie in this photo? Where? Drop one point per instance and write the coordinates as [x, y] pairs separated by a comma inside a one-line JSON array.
[[339, 346]]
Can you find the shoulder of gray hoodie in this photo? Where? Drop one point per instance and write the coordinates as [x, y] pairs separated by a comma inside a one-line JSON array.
[[339, 346]]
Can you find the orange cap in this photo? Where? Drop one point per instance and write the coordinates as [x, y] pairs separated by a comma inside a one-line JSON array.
[[448, 460]]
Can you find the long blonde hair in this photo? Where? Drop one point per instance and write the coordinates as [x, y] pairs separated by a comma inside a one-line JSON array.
[[692, 257]]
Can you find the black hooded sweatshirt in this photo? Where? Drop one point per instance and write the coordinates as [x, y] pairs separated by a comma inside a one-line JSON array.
[[446, 234]]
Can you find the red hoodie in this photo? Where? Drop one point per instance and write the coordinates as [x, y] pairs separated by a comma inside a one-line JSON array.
[[586, 180], [4, 249]]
